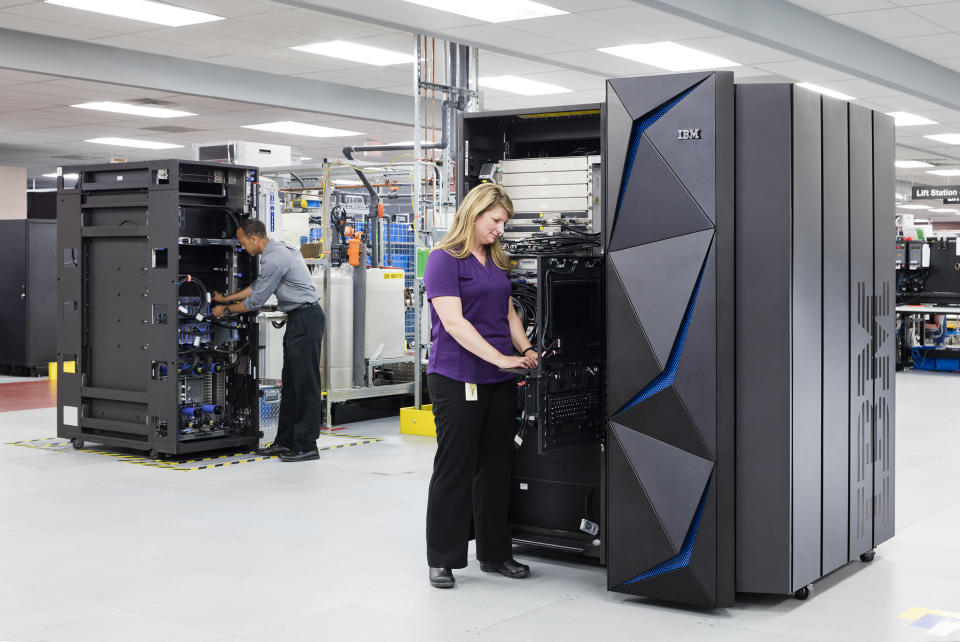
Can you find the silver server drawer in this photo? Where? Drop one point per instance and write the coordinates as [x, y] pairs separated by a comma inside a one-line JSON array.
[[559, 164], [548, 191], [580, 204], [545, 178]]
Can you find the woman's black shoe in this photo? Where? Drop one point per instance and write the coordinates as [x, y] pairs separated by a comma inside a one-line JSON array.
[[305, 455], [441, 577], [509, 568], [273, 449]]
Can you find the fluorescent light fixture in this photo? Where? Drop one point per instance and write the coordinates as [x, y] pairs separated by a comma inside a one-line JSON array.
[[347, 182], [944, 172], [522, 86], [302, 129], [912, 164], [144, 10], [904, 119], [949, 139], [493, 10], [356, 52], [135, 110], [826, 92], [669, 55], [303, 158], [945, 210], [914, 206], [132, 142], [69, 177]]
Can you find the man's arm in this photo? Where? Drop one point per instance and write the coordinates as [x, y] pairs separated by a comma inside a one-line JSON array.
[[239, 295]]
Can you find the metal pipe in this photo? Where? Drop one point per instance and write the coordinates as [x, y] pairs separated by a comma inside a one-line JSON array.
[[360, 319], [415, 191]]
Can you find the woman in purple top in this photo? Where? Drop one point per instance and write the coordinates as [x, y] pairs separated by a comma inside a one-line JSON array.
[[475, 332]]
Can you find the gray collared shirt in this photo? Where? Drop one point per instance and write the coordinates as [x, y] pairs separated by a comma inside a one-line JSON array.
[[282, 272]]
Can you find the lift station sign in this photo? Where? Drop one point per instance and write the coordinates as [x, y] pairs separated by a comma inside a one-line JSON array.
[[920, 192]]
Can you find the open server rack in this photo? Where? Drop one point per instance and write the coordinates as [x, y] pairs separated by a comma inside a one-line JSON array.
[[141, 247], [549, 165]]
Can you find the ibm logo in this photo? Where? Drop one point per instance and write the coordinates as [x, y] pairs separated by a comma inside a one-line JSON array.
[[688, 134]]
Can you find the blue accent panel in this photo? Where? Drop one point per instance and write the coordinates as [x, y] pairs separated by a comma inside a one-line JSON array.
[[640, 126], [665, 378], [681, 559]]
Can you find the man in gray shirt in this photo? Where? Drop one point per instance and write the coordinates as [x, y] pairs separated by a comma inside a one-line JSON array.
[[283, 273]]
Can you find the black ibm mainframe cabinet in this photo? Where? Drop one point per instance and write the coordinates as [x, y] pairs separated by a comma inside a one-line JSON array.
[[140, 247], [747, 366]]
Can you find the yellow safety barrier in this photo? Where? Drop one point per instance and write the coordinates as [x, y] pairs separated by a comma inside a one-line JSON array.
[[418, 422]]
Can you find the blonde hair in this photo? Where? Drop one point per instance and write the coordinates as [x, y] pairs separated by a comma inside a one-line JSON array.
[[461, 237]]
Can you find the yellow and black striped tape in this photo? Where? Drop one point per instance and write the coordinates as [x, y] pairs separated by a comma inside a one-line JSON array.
[[55, 444]]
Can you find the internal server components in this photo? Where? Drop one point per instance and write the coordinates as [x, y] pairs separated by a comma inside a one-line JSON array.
[[145, 245], [563, 400], [555, 494]]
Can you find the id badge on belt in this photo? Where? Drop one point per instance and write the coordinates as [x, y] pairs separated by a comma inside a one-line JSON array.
[[471, 391]]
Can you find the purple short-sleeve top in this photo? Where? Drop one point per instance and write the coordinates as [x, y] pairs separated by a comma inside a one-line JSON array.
[[484, 292]]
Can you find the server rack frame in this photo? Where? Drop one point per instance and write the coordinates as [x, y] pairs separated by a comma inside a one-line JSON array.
[[125, 233]]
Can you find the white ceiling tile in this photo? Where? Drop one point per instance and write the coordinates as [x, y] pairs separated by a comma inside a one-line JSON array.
[[860, 89], [224, 44], [315, 26], [493, 64], [61, 29], [904, 102], [83, 20], [738, 50], [403, 12], [14, 77], [658, 24], [231, 8], [829, 7], [147, 45], [578, 6], [889, 23], [943, 13], [508, 38], [580, 31], [605, 64], [934, 47], [803, 71]]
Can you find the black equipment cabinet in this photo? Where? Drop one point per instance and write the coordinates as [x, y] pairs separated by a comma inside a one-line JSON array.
[[140, 248], [557, 470], [27, 293]]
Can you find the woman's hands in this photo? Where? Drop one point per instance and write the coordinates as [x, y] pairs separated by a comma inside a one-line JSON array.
[[528, 360]]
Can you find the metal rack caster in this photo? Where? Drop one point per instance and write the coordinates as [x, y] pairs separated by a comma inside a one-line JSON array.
[[77, 443], [868, 556], [155, 454], [803, 593]]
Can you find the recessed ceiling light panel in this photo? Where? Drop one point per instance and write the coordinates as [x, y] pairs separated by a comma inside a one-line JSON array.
[[833, 93], [911, 164], [356, 52], [144, 10], [302, 129], [669, 55], [944, 172], [493, 10], [522, 86], [134, 110], [132, 142], [914, 206], [949, 139], [945, 210], [905, 119], [66, 176]]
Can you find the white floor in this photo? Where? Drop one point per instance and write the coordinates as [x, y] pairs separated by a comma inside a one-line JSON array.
[[93, 548]]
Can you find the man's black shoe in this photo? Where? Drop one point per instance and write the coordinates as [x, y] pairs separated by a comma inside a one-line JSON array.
[[509, 568], [273, 449], [305, 455], [441, 577]]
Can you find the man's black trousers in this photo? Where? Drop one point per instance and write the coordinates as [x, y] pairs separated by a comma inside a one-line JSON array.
[[301, 399], [471, 471]]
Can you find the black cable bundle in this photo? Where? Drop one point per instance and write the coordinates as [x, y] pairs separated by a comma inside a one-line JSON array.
[[525, 302], [545, 245]]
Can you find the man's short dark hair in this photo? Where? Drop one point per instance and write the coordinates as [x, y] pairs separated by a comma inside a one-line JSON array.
[[254, 227]]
